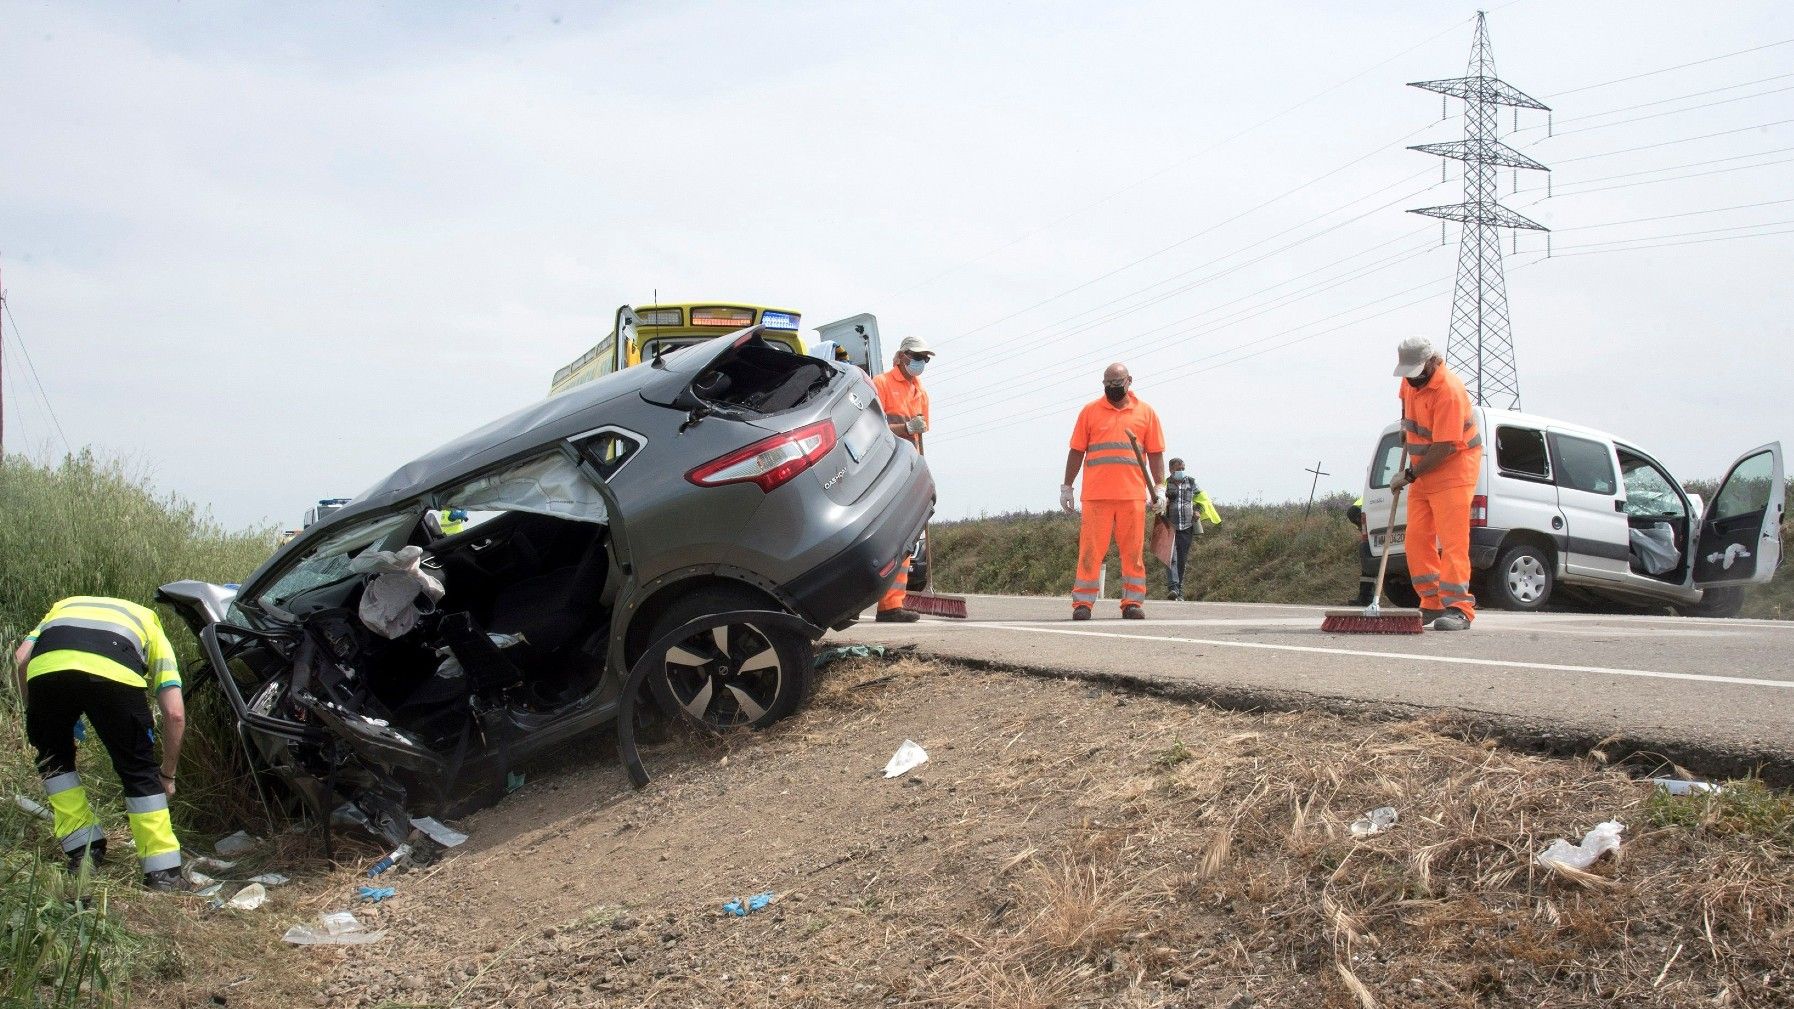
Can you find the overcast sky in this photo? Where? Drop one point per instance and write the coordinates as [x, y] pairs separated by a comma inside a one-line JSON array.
[[271, 252]]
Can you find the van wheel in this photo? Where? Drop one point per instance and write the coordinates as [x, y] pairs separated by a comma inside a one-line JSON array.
[[1725, 601], [1522, 578], [736, 675]]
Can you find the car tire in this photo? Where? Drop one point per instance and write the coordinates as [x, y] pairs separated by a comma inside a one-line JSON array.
[[1523, 578], [733, 676], [1725, 601], [1401, 592]]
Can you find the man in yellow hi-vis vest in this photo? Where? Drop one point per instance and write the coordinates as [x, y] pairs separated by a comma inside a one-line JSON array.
[[95, 656]]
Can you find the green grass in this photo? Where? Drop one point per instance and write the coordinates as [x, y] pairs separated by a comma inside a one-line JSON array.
[[88, 526], [1745, 808], [1260, 553]]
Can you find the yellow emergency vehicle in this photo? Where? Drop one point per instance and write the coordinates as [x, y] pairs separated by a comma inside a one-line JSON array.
[[640, 333]]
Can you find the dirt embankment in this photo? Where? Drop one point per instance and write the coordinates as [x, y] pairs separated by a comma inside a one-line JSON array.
[[1067, 845]]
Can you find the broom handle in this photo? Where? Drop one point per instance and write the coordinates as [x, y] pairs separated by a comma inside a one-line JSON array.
[[1388, 544]]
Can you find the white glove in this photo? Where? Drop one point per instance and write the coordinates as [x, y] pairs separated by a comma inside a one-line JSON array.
[[1157, 505], [916, 425], [1066, 500]]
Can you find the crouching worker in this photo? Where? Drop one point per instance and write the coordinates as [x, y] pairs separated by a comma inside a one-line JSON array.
[[96, 656]]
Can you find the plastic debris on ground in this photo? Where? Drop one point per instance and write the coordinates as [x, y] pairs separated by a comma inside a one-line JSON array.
[[513, 780], [211, 890], [236, 844], [1605, 837], [210, 864], [438, 831], [1374, 822], [33, 807], [375, 894], [270, 879], [840, 652], [908, 757], [1676, 786], [335, 928], [398, 855], [755, 903], [348, 815], [249, 898], [196, 877]]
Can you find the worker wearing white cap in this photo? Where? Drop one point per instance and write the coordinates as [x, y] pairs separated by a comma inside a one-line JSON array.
[[905, 403], [1444, 456]]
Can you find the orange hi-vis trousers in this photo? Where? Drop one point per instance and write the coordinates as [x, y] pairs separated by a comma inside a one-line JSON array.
[[1125, 523], [893, 600], [1438, 547]]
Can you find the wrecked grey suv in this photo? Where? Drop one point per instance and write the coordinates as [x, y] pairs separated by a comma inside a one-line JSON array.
[[727, 477]]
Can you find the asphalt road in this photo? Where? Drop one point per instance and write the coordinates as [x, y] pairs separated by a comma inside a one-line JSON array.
[[1715, 693]]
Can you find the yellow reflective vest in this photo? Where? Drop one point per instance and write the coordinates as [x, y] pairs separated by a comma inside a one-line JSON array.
[[114, 639]]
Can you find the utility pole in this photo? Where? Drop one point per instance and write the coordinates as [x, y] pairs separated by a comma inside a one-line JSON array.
[[1480, 347], [1318, 473]]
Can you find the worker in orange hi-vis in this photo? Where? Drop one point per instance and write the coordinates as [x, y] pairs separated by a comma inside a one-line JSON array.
[[905, 403], [1115, 490], [1444, 455]]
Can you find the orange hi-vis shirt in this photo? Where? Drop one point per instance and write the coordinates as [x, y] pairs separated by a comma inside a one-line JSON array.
[[1440, 411], [902, 397], [1111, 471]]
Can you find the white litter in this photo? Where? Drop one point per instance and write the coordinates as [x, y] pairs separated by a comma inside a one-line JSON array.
[[1374, 822], [1676, 786], [439, 832], [249, 898], [33, 807], [198, 878], [236, 844], [337, 928], [270, 879], [908, 757], [1605, 837], [213, 864]]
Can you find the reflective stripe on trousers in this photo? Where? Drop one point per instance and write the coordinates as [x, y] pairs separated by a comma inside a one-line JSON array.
[[72, 817], [1439, 547], [153, 831], [1121, 522]]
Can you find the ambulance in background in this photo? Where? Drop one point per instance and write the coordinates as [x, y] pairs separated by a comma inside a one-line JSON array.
[[641, 333]]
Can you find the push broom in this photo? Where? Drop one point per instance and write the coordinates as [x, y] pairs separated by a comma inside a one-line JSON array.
[[925, 602], [1373, 619]]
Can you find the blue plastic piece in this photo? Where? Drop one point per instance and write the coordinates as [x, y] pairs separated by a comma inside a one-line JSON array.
[[754, 903], [375, 894]]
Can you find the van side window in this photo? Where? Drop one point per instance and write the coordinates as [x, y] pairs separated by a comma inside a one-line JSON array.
[[1583, 465], [1520, 451], [1387, 462]]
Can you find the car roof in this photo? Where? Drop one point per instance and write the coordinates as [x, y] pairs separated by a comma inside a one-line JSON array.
[[1495, 417]]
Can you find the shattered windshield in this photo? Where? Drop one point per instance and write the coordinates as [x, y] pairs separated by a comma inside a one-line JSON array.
[[328, 560]]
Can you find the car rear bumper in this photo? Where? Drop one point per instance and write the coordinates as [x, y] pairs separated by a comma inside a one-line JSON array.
[[833, 593]]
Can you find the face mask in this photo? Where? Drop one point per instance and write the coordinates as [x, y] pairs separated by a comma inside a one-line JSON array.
[[1115, 393], [1177, 472], [1420, 381], [914, 366]]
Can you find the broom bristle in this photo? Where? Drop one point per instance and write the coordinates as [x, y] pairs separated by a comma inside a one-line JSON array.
[[1358, 623], [935, 606]]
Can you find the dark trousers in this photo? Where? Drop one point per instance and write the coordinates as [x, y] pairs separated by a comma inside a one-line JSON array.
[[1180, 555], [1367, 575], [119, 714]]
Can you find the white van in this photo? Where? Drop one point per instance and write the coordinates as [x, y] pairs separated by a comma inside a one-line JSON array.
[[1562, 506]]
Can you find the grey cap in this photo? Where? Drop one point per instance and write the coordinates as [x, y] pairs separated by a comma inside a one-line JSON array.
[[1412, 356], [913, 345]]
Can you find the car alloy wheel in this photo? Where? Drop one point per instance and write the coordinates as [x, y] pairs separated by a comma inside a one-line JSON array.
[[1527, 579], [726, 676]]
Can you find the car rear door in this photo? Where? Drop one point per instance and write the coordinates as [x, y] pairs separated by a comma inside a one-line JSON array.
[[1740, 540], [1597, 537]]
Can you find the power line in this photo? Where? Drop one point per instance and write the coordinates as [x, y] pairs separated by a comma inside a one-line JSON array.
[[1192, 237], [1667, 245], [1665, 101], [1672, 168], [1185, 370], [1665, 70], [1084, 327], [1671, 143], [1672, 178], [1665, 217], [19, 339], [1173, 167], [1679, 234], [1011, 390], [1671, 112]]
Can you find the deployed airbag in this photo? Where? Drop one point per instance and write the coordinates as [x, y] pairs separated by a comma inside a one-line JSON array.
[[389, 606], [1654, 548]]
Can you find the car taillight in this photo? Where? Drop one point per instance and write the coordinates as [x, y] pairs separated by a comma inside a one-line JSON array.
[[770, 462], [1479, 510]]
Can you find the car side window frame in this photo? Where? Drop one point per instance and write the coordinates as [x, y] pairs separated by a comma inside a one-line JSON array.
[[1556, 440], [1550, 474], [1384, 447], [1662, 471]]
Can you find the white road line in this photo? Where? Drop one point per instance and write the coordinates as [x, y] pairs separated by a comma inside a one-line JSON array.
[[1445, 659]]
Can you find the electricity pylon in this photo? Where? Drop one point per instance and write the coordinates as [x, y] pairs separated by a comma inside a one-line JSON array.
[[1480, 347]]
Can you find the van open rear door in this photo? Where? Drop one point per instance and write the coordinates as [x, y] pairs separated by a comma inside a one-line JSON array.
[[857, 335], [1740, 541]]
